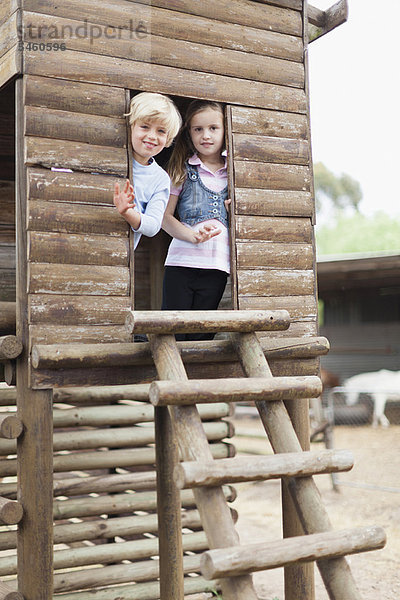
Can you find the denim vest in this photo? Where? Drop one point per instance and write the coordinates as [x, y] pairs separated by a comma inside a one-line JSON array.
[[198, 203]]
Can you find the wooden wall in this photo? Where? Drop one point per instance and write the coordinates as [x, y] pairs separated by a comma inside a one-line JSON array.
[[104, 509], [251, 58], [274, 213]]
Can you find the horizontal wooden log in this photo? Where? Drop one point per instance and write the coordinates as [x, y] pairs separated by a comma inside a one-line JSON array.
[[268, 123], [74, 97], [274, 229], [77, 486], [47, 278], [66, 356], [8, 395], [77, 156], [139, 373], [84, 484], [300, 308], [10, 426], [165, 393], [104, 529], [80, 334], [266, 149], [97, 189], [159, 322], [261, 175], [109, 553], [146, 591], [7, 593], [120, 503], [171, 52], [51, 309], [138, 571], [65, 125], [119, 437], [108, 459], [319, 546], [244, 12], [274, 255], [261, 468], [78, 249], [122, 414], [7, 317], [179, 26], [10, 347], [91, 355], [11, 512], [117, 552], [257, 282], [66, 217], [80, 66]]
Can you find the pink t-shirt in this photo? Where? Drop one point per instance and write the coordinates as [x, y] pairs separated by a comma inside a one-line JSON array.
[[213, 254]]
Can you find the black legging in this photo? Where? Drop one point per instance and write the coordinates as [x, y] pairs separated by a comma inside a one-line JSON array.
[[187, 288]]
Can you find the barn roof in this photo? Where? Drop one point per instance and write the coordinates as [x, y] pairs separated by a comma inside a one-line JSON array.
[[354, 271]]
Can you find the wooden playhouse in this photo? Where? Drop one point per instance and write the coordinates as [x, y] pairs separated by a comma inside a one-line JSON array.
[[69, 280]]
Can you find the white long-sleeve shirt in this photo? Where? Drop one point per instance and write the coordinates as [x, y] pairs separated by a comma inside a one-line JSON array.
[[151, 185]]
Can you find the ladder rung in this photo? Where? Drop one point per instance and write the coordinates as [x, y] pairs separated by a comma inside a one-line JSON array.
[[234, 470], [171, 321], [163, 393], [240, 560]]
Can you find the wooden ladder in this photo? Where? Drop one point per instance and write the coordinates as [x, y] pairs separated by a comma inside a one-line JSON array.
[[178, 424]]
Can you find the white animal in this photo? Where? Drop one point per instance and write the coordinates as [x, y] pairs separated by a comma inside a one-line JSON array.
[[382, 386]]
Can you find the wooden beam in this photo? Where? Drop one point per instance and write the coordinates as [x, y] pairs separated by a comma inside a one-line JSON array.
[[257, 557], [72, 356], [260, 468], [323, 21], [164, 393]]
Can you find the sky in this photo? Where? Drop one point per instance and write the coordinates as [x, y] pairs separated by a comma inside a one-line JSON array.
[[355, 101]]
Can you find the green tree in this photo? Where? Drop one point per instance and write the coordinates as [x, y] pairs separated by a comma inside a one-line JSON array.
[[342, 190], [359, 233]]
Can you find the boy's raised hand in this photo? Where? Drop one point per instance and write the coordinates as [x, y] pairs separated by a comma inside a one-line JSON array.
[[125, 199]]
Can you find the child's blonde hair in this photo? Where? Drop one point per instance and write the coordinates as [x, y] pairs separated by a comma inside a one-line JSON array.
[[184, 148], [149, 106]]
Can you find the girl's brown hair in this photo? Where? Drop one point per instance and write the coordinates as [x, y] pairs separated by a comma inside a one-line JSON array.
[[183, 148]]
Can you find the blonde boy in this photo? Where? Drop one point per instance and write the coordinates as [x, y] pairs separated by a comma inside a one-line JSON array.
[[154, 121]]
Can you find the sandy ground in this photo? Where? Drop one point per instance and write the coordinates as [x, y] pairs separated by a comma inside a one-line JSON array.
[[368, 495]]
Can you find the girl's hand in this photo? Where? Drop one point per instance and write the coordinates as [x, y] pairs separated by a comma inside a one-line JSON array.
[[205, 233], [124, 200], [227, 204]]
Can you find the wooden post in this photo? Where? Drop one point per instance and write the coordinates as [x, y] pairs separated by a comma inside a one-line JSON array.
[[35, 447], [168, 509], [215, 514]]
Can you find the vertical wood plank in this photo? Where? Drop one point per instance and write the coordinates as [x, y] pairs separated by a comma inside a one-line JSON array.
[[168, 508], [232, 208], [35, 446], [299, 579]]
